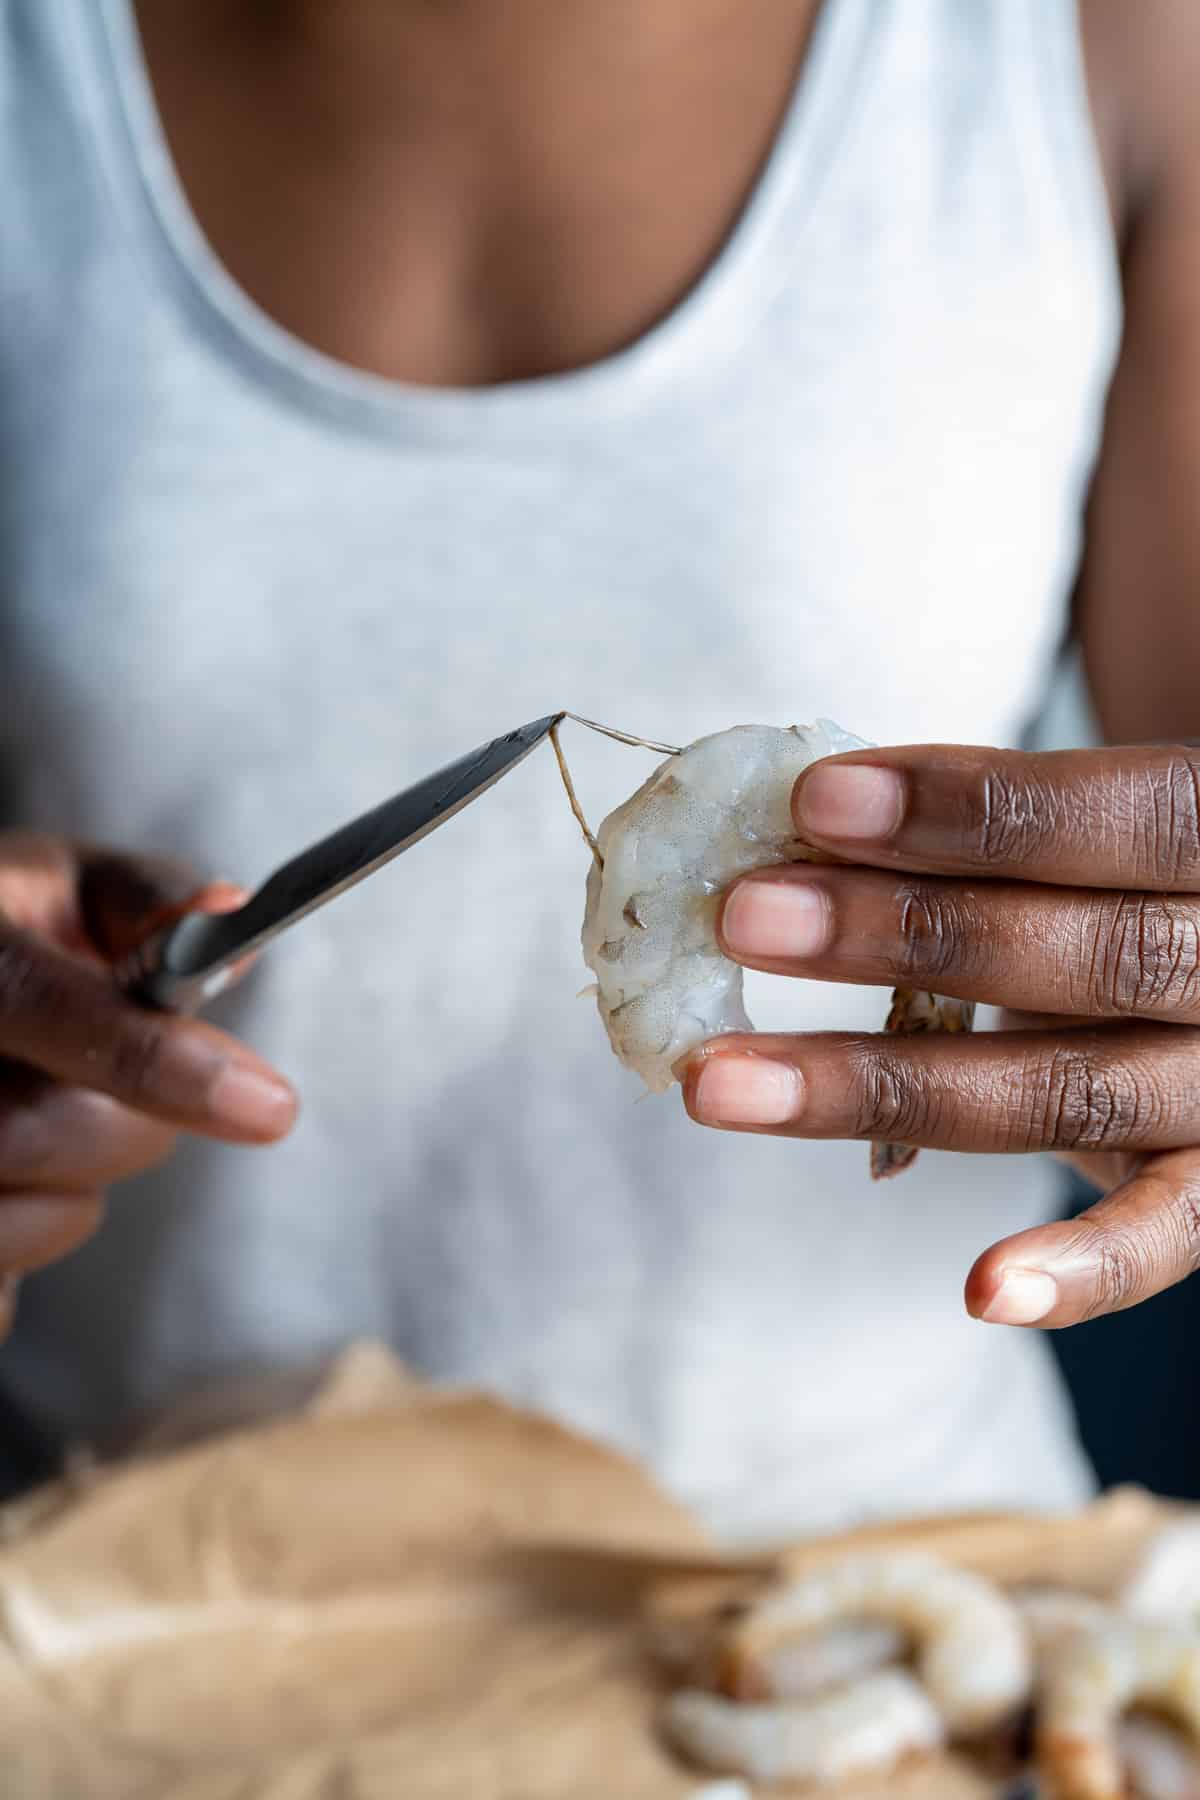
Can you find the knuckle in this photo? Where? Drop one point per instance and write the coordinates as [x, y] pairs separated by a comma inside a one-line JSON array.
[[1169, 827], [892, 1102], [1015, 818], [19, 975], [1133, 1261], [1177, 1226], [937, 934], [1124, 1270], [1183, 1226], [1145, 957], [1091, 1103], [1170, 1219], [138, 1062]]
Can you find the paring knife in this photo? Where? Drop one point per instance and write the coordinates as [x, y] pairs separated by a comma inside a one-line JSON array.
[[180, 968]]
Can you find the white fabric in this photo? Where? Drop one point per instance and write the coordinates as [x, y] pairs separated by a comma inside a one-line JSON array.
[[247, 592]]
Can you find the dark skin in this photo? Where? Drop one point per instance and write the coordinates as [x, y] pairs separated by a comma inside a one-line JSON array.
[[479, 192], [474, 192]]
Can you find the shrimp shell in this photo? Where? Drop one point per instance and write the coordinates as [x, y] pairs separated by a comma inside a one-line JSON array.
[[914, 1011], [872, 1724], [972, 1648], [1090, 1680], [662, 860]]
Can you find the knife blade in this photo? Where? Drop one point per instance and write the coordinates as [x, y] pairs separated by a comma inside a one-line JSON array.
[[180, 968]]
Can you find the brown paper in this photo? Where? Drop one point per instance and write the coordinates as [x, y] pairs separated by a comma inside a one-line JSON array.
[[397, 1594]]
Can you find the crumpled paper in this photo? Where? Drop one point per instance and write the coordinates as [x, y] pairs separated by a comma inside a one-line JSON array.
[[393, 1593]]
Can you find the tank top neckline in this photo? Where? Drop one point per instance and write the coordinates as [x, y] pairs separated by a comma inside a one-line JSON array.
[[716, 314]]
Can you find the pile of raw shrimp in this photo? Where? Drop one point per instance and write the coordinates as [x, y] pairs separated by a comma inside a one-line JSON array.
[[866, 1664]]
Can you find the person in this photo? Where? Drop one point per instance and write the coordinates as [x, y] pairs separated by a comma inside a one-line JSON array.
[[374, 378]]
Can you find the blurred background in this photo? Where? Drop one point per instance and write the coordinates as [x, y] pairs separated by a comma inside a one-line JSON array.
[[1132, 1375]]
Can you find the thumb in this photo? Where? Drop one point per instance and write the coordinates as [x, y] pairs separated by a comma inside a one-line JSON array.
[[124, 899], [1141, 1238]]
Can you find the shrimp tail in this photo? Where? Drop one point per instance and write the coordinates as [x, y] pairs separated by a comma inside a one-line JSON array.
[[913, 1010]]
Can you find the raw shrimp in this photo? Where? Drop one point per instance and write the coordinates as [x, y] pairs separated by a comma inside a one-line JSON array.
[[1055, 1614], [1090, 1680], [1159, 1762], [1166, 1583], [803, 1666], [972, 1648], [662, 861], [794, 1669], [872, 1724]]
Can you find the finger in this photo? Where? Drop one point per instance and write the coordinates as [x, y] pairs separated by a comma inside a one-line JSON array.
[[36, 1229], [56, 1137], [90, 899], [1008, 1019], [1126, 1087], [1035, 949], [39, 883], [123, 899], [1143, 1237], [1076, 818], [213, 897], [68, 1020], [224, 897]]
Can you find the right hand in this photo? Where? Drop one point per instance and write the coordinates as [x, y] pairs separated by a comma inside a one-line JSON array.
[[92, 1087]]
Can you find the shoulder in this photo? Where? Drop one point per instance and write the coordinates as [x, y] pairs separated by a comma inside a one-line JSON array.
[[1143, 64]]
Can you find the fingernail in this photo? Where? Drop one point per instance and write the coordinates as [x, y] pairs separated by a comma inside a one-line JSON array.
[[220, 897], [775, 919], [746, 1090], [1023, 1297], [850, 800], [248, 1101]]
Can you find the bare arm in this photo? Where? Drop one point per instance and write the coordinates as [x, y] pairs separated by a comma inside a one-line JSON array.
[[1139, 592]]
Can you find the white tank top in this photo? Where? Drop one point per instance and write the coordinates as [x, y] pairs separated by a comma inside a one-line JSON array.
[[247, 592]]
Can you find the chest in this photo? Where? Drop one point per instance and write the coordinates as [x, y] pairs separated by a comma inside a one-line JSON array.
[[459, 196]]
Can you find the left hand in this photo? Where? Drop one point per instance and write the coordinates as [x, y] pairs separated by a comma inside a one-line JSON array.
[[1063, 886]]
